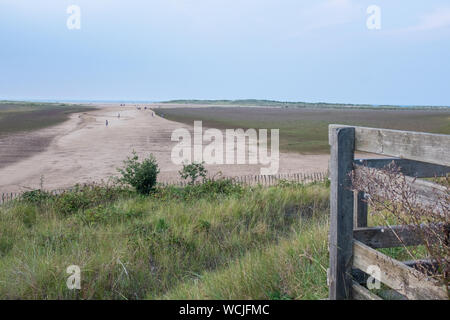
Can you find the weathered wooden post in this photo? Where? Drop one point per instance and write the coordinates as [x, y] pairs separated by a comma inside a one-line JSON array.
[[342, 141]]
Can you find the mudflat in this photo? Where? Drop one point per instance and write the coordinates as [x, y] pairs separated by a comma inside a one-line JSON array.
[[83, 149]]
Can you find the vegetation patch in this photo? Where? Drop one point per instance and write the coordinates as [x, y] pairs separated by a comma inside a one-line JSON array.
[[305, 130], [27, 116], [133, 246]]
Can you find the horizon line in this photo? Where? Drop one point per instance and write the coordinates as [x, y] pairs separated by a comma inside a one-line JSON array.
[[215, 101]]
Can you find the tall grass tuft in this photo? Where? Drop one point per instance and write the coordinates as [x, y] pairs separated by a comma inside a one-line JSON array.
[[214, 240]]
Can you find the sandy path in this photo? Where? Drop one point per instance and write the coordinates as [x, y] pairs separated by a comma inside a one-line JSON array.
[[84, 149]]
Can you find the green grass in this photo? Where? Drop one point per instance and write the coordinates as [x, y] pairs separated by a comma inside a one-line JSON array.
[[305, 130], [27, 116], [293, 268], [216, 240], [134, 247]]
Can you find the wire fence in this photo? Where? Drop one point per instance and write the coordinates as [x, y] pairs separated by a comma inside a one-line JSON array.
[[248, 180]]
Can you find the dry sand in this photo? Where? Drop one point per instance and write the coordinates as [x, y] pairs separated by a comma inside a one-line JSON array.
[[83, 149]]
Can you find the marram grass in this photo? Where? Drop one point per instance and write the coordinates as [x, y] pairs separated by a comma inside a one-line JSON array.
[[193, 243]]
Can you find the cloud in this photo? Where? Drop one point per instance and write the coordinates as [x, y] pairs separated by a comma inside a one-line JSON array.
[[438, 19]]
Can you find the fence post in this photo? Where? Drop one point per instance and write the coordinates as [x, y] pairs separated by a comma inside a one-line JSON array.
[[342, 141]]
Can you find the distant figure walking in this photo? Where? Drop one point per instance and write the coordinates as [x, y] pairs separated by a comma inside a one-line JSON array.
[[106, 122], [118, 116]]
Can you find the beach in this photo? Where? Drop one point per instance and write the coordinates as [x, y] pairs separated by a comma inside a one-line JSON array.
[[83, 150]]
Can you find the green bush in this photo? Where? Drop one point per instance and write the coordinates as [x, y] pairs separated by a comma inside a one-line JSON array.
[[210, 189], [70, 202], [87, 196], [215, 188], [36, 196], [193, 171], [140, 175]]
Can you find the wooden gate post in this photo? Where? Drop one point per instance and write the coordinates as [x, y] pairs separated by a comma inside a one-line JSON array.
[[342, 141]]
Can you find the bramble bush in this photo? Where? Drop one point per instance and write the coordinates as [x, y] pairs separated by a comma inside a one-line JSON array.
[[86, 196], [209, 189], [36, 196]]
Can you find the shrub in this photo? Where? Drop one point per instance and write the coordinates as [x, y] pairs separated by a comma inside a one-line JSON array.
[[140, 175], [211, 189], [389, 194], [72, 201], [36, 196], [219, 187], [87, 196], [193, 171]]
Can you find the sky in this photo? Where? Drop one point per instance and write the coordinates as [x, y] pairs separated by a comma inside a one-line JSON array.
[[287, 50]]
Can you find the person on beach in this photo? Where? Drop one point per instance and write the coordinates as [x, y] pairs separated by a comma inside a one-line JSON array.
[[106, 122]]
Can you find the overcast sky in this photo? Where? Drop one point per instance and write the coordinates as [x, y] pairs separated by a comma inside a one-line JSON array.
[[289, 50]]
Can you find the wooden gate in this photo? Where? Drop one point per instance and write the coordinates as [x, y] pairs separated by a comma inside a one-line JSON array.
[[352, 245]]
